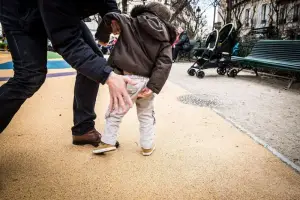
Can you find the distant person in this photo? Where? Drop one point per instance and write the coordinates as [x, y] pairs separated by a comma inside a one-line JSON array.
[[143, 54], [175, 42], [182, 44]]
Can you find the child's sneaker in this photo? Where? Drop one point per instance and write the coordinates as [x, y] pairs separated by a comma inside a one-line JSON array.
[[147, 152], [104, 148]]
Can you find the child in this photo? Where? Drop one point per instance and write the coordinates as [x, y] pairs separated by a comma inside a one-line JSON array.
[[143, 53]]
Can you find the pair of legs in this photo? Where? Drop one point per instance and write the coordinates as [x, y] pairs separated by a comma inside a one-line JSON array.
[[27, 40], [176, 50], [145, 113]]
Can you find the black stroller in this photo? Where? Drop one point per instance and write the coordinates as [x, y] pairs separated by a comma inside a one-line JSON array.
[[218, 51]]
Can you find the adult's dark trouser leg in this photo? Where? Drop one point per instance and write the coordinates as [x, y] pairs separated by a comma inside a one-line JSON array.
[[176, 51], [27, 41], [85, 93]]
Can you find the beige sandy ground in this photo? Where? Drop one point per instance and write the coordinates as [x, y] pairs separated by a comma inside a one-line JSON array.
[[5, 57], [199, 155]]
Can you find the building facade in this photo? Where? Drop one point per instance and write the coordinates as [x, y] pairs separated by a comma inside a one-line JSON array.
[[264, 18]]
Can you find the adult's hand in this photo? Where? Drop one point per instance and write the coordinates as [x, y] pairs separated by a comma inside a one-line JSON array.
[[119, 96]]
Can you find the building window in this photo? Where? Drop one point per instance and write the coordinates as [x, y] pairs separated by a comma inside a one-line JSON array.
[[263, 13], [247, 14], [296, 16], [282, 16]]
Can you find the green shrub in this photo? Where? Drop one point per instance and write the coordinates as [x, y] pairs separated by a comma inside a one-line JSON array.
[[2, 45]]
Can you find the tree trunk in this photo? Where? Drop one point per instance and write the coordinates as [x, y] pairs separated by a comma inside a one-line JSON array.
[[124, 6], [229, 8]]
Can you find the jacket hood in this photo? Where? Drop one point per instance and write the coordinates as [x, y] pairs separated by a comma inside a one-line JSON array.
[[153, 25]]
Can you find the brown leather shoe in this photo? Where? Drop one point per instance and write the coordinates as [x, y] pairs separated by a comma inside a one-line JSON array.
[[92, 137]]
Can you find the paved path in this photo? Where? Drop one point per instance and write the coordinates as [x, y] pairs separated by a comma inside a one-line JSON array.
[[199, 155], [260, 105]]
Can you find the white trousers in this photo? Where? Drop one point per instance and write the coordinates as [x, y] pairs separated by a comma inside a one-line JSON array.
[[145, 113]]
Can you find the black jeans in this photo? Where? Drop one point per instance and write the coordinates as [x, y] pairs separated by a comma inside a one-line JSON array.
[[176, 50], [27, 40]]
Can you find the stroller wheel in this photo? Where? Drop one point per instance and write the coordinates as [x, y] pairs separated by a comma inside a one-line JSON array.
[[232, 73], [191, 72], [200, 74], [221, 71]]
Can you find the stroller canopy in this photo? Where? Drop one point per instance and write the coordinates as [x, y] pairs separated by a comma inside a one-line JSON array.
[[227, 38], [226, 31], [212, 40]]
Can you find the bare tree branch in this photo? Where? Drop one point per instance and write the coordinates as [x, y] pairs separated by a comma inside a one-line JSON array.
[[237, 13], [179, 9]]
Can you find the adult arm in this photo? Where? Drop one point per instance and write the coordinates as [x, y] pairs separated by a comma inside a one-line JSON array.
[[182, 39], [62, 24]]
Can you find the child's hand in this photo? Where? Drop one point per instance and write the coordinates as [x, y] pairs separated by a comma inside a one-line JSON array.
[[115, 27], [146, 92]]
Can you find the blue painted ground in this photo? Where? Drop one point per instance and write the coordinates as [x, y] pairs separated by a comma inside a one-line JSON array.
[[51, 64]]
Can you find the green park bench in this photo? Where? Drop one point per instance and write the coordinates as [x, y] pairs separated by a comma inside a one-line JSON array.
[[273, 54]]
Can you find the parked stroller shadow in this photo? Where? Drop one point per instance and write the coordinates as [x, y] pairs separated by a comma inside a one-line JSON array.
[[217, 54]]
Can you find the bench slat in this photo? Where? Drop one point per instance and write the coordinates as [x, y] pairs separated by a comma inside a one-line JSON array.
[[284, 54]]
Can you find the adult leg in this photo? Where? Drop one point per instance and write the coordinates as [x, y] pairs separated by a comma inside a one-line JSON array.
[[27, 41], [85, 94], [176, 51]]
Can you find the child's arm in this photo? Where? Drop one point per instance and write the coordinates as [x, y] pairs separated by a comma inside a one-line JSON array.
[[161, 71], [111, 23]]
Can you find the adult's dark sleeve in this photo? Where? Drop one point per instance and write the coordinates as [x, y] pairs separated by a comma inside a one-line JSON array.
[[182, 40], [63, 28], [110, 6]]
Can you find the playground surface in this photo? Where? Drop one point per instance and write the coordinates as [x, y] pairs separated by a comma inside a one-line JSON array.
[[199, 154]]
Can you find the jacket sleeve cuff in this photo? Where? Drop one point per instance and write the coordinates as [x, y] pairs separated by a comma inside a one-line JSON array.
[[154, 89], [105, 74]]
